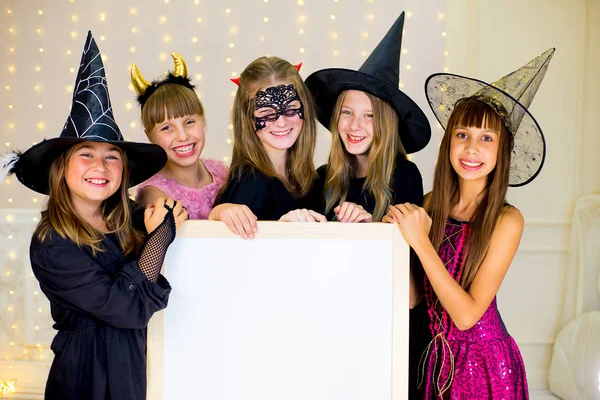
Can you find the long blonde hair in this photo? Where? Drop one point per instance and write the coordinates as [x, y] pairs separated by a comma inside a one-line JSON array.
[[445, 193], [384, 150], [60, 214], [248, 150]]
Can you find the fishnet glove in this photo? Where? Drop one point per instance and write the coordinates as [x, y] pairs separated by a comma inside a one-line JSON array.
[[154, 250]]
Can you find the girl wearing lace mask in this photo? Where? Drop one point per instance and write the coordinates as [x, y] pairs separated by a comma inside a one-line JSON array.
[[272, 170], [91, 255], [467, 234]]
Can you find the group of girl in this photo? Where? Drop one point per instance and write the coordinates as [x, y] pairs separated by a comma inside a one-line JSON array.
[[97, 254]]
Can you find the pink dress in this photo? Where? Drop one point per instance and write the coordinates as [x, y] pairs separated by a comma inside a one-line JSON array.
[[482, 362], [199, 202]]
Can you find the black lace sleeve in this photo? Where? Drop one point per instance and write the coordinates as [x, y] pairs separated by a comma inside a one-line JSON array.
[[155, 248]]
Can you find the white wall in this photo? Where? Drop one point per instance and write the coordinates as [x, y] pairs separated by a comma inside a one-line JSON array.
[[489, 40]]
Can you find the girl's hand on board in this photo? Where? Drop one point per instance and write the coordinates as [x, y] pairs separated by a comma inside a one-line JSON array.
[[303, 215], [238, 218], [351, 212], [155, 213], [413, 221]]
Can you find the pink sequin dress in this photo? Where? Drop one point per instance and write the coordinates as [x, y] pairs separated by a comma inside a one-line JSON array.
[[482, 362], [199, 202]]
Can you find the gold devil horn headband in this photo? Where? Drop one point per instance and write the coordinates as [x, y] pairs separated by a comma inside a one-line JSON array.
[[141, 85], [180, 67], [144, 89], [137, 80]]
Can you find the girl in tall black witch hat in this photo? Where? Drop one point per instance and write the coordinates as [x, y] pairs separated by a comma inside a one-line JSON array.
[[373, 125], [99, 270]]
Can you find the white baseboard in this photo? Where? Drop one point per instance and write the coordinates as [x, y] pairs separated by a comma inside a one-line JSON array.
[[542, 395]]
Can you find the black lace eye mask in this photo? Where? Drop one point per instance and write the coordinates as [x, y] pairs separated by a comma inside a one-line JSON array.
[[276, 98]]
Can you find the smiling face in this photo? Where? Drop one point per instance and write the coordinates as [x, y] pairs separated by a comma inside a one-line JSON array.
[[182, 139], [93, 173], [355, 123], [278, 116], [474, 151]]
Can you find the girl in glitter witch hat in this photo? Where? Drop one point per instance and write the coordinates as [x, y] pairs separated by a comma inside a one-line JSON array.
[[94, 261], [467, 234], [272, 170], [174, 118]]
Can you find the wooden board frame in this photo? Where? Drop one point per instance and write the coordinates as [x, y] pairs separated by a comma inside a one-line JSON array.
[[323, 231]]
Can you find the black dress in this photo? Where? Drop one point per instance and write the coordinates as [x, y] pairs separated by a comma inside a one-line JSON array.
[[101, 305], [266, 197], [407, 186]]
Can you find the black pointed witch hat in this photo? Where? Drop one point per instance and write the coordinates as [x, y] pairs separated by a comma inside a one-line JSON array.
[[91, 119], [379, 76]]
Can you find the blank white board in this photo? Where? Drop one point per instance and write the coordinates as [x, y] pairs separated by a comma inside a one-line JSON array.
[[304, 311]]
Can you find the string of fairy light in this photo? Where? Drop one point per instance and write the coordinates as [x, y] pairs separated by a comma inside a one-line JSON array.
[[11, 255], [10, 129], [233, 31], [18, 338]]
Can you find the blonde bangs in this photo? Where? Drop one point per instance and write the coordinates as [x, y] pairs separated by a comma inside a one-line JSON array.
[[170, 101]]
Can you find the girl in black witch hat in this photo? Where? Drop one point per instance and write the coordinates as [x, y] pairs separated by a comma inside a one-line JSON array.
[[99, 270], [373, 125]]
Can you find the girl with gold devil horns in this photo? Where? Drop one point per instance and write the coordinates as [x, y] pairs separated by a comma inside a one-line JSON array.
[[174, 119]]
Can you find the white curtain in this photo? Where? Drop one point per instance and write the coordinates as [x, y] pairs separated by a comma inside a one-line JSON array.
[[575, 368], [582, 276]]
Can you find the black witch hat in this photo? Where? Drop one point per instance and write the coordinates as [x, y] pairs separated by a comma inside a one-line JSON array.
[[91, 119], [380, 76]]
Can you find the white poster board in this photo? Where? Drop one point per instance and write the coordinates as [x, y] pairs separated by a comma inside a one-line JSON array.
[[304, 311]]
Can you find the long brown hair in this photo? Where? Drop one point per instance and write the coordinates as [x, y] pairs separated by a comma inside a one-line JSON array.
[[60, 214], [470, 112], [248, 150], [384, 150], [170, 100]]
